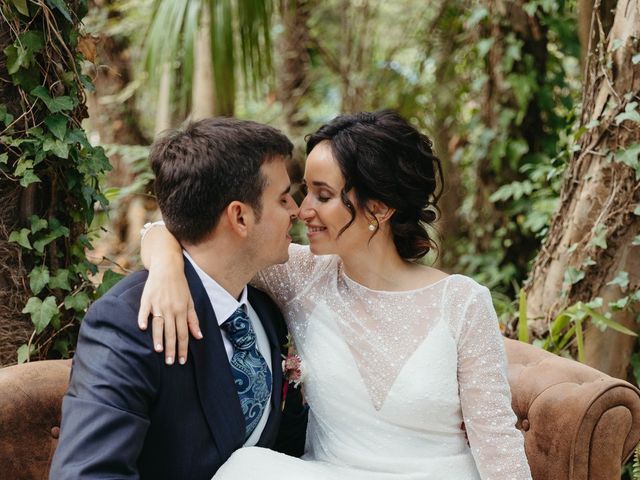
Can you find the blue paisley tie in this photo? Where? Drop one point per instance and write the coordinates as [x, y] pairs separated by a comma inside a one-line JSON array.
[[250, 371]]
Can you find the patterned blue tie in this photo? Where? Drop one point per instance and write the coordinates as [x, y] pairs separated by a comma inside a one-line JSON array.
[[250, 371]]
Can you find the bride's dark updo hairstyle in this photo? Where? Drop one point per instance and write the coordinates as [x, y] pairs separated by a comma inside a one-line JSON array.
[[383, 158]]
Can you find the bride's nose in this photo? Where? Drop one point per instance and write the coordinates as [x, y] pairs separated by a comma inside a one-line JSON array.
[[305, 212]]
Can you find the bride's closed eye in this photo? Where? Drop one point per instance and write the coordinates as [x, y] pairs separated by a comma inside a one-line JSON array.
[[323, 198]]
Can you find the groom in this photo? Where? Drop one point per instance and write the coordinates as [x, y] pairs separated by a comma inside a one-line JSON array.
[[223, 190]]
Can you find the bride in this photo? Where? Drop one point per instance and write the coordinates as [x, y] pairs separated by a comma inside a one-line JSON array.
[[402, 362]]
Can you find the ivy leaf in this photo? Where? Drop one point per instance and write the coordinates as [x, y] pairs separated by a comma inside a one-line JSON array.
[[484, 46], [595, 303], [621, 279], [62, 8], [41, 312], [38, 279], [56, 231], [77, 302], [22, 167], [55, 105], [14, 59], [619, 304], [5, 116], [592, 124], [630, 113], [21, 6], [599, 237], [57, 125], [629, 156], [20, 54], [636, 240], [32, 41], [572, 276], [21, 238], [29, 178], [24, 352], [109, 279], [4, 158], [57, 147], [37, 223], [476, 16], [28, 78], [62, 346], [588, 262], [60, 280], [635, 59], [636, 212]]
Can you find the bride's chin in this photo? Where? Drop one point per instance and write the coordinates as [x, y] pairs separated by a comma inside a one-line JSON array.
[[314, 249]]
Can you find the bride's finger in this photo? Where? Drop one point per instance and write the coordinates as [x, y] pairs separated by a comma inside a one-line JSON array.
[[192, 321], [182, 331], [157, 328], [143, 313], [169, 339]]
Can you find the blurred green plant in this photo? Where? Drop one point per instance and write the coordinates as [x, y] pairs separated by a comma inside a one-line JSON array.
[[240, 37], [517, 131]]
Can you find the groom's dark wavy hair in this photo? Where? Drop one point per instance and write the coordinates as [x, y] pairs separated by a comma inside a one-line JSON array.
[[202, 168]]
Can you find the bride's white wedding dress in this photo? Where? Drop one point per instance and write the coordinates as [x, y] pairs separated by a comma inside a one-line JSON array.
[[389, 379]]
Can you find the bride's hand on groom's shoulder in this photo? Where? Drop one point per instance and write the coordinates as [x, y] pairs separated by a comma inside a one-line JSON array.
[[166, 299]]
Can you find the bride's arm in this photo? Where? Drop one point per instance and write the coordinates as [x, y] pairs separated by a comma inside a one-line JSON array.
[[166, 295], [485, 397]]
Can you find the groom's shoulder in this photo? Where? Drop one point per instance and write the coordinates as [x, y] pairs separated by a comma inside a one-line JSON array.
[[132, 284], [127, 292]]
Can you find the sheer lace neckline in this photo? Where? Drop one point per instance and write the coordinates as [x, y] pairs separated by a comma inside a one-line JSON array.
[[352, 283], [383, 329]]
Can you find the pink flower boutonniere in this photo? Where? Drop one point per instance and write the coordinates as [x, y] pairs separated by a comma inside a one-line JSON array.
[[292, 370]]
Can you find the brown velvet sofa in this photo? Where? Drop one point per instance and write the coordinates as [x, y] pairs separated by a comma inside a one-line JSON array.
[[578, 423]]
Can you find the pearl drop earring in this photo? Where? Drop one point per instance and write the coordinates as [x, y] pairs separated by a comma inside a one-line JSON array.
[[372, 227]]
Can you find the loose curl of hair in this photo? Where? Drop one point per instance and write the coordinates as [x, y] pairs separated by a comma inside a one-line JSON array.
[[383, 158]]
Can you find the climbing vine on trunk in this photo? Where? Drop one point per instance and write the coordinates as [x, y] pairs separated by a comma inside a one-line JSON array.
[[50, 171]]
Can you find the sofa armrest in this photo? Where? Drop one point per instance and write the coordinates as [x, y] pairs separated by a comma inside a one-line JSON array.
[[30, 403], [578, 422]]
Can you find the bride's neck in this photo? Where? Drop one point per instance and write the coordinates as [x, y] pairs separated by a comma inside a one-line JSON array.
[[378, 267]]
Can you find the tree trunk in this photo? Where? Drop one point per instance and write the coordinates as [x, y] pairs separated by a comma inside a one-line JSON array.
[[293, 71], [593, 230], [203, 95]]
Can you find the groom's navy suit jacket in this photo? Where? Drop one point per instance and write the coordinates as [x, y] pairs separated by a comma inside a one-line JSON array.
[[127, 415]]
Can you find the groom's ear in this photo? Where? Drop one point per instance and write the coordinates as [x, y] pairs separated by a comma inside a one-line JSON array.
[[240, 217]]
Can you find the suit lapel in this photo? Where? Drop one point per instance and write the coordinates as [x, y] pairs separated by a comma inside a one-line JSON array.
[[271, 428], [218, 394]]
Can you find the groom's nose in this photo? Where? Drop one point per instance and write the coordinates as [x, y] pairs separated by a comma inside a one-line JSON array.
[[292, 207]]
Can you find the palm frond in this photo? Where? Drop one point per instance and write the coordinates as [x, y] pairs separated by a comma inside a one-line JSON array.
[[240, 41]]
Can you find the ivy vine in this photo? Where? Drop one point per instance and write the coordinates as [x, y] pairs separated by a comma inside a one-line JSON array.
[[46, 157]]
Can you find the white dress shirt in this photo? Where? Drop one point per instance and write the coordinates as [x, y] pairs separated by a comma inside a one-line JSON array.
[[224, 304]]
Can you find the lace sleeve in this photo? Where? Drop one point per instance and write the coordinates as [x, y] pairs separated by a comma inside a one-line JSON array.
[[496, 444], [286, 281]]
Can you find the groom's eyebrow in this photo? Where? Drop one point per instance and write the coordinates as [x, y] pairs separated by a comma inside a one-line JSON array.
[[286, 190]]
